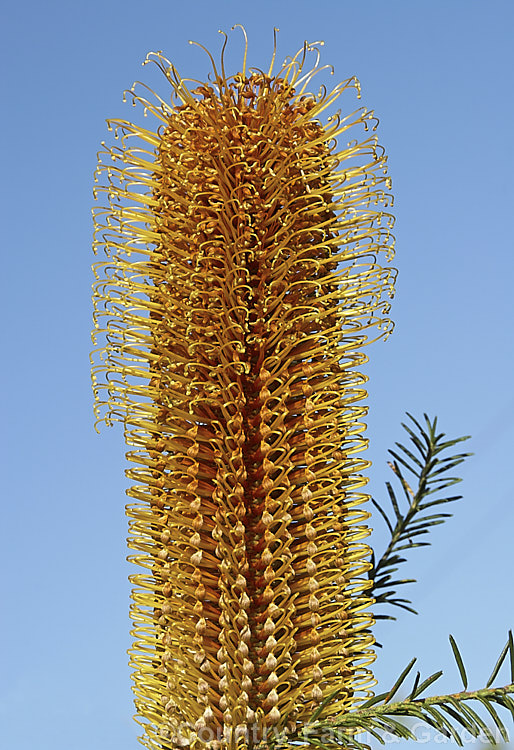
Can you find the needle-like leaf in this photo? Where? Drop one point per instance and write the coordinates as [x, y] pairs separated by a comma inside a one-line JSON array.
[[460, 663], [325, 702], [498, 664], [511, 649], [426, 683], [399, 681], [415, 686]]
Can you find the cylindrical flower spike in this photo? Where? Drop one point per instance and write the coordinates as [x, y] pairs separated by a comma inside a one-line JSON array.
[[240, 285]]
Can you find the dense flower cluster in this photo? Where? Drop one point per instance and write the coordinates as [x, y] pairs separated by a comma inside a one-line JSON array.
[[239, 288]]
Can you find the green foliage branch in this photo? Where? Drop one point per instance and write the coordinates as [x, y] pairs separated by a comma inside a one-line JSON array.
[[444, 713], [426, 460]]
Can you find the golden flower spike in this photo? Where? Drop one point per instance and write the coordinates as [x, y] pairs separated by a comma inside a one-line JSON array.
[[240, 285]]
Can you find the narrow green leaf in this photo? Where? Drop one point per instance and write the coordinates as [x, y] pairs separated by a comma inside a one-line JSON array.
[[408, 534], [348, 740], [433, 723], [314, 741], [439, 501], [506, 702], [480, 723], [447, 467], [408, 453], [383, 514], [439, 720], [415, 439], [445, 726], [455, 711], [451, 731], [421, 528], [511, 649], [414, 544], [370, 729], [426, 683], [404, 731], [497, 721], [398, 603], [394, 501], [400, 680], [498, 665], [382, 581], [415, 686], [436, 486], [460, 663], [395, 560], [323, 703], [450, 443], [403, 462], [398, 582], [435, 517], [395, 727], [413, 709], [373, 700], [432, 426], [420, 428]]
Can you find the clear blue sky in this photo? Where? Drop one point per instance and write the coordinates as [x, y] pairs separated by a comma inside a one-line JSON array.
[[439, 75]]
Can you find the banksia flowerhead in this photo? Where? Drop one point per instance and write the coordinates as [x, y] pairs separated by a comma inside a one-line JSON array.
[[240, 285]]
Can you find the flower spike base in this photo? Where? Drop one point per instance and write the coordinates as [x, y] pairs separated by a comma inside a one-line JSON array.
[[239, 288]]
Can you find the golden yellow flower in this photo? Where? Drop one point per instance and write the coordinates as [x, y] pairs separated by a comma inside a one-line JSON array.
[[240, 285]]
